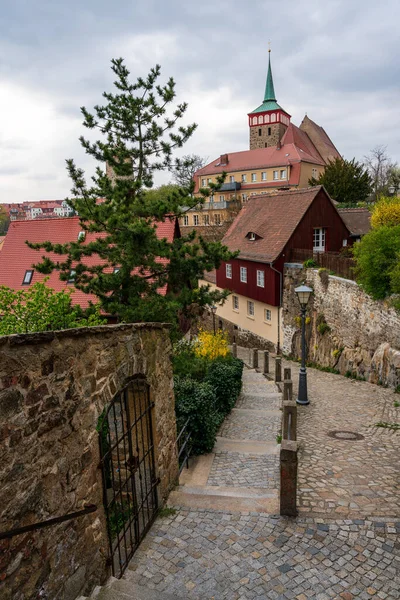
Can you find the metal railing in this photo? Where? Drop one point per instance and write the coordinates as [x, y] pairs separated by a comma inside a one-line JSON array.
[[183, 443], [89, 508]]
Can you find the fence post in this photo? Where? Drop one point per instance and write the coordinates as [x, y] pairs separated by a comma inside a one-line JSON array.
[[254, 362], [289, 417], [288, 492], [278, 369], [287, 373], [266, 362], [287, 390], [234, 349]]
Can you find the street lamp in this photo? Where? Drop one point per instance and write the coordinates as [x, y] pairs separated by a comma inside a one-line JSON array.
[[213, 310], [303, 294]]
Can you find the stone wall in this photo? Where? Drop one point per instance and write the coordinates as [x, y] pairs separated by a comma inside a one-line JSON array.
[[361, 335], [243, 337], [264, 140], [53, 387]]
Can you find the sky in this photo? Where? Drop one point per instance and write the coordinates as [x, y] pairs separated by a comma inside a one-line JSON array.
[[337, 61]]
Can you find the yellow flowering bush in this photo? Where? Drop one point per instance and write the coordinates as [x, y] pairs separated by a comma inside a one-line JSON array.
[[386, 212], [211, 346]]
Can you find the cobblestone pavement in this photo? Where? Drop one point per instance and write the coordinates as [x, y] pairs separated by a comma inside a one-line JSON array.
[[244, 470], [250, 426], [343, 476], [259, 402], [203, 554]]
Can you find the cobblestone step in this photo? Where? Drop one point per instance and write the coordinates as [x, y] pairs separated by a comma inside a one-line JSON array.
[[225, 498], [125, 589]]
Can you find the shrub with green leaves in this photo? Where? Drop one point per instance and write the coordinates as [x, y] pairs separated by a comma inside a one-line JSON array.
[[225, 376], [197, 401]]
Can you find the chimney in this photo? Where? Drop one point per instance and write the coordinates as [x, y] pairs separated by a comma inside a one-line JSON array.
[[223, 159]]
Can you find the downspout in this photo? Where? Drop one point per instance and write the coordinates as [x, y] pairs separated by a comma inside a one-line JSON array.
[[278, 346]]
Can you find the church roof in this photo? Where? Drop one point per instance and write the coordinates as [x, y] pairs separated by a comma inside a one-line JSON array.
[[320, 139], [294, 135], [270, 102]]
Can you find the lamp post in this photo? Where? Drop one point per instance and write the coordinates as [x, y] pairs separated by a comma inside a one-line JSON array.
[[213, 310], [303, 294]]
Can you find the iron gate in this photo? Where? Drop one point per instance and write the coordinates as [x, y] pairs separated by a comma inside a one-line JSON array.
[[128, 469]]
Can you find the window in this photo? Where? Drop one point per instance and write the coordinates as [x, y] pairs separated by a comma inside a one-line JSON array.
[[243, 274], [269, 130], [267, 314], [252, 236], [71, 277], [232, 178], [81, 236], [273, 118], [195, 219], [283, 173], [206, 220], [235, 303], [260, 120], [203, 183], [250, 308], [27, 277], [254, 176], [315, 173], [254, 120], [319, 239], [263, 176], [276, 174], [116, 270], [228, 269], [217, 219], [259, 132], [244, 178], [344, 244], [221, 198], [260, 278], [244, 197], [210, 180], [186, 220], [266, 120]]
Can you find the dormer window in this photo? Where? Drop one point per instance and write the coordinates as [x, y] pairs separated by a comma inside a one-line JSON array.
[[252, 236], [81, 236], [71, 277], [27, 278]]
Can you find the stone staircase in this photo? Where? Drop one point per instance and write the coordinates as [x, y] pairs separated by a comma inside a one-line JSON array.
[[124, 589]]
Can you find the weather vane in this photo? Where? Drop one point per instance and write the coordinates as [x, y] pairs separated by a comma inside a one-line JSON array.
[[269, 45]]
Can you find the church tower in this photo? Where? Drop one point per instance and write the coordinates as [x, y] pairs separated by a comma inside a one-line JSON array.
[[269, 121]]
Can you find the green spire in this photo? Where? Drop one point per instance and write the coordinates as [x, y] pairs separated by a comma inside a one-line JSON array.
[[269, 86]]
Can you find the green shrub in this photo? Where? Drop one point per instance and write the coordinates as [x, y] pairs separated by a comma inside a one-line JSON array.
[[185, 363], [310, 263], [197, 401], [225, 376], [323, 327]]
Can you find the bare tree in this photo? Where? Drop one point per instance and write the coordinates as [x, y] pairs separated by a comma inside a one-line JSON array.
[[185, 168], [381, 169]]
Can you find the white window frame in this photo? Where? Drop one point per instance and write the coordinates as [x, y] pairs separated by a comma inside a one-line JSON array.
[[260, 279], [250, 308], [235, 303], [243, 274], [217, 219], [222, 198], [254, 177], [185, 220], [267, 315], [203, 183], [264, 176], [27, 277], [319, 239], [195, 219], [283, 173], [244, 178], [232, 178], [276, 175], [252, 236], [71, 276], [206, 219], [228, 271]]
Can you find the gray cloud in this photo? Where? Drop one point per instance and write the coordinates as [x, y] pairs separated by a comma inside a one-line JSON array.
[[337, 61]]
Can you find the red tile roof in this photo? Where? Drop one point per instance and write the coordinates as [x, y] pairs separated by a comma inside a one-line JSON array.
[[274, 218], [320, 139], [16, 257]]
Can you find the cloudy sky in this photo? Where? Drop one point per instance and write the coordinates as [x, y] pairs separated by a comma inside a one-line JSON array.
[[337, 61]]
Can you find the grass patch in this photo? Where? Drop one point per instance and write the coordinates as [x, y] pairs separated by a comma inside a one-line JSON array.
[[313, 365], [166, 511], [353, 375], [392, 426], [397, 389], [396, 404]]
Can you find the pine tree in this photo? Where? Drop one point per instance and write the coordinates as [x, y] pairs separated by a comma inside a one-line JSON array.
[[345, 181], [140, 131]]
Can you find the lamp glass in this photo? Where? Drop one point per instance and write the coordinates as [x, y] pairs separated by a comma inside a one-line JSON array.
[[303, 294], [213, 309]]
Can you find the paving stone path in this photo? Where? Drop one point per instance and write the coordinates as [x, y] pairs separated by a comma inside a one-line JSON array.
[[345, 543]]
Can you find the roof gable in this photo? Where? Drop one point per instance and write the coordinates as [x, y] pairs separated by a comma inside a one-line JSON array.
[[320, 139]]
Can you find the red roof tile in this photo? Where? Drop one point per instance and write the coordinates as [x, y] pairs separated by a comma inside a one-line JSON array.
[[274, 217], [16, 257], [358, 220]]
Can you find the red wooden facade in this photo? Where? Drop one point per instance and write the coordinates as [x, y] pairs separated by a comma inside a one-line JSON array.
[[320, 214]]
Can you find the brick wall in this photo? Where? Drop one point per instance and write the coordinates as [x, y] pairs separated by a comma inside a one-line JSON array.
[[53, 388]]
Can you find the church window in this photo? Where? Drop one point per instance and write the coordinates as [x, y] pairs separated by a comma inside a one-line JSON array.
[[269, 130], [259, 132], [254, 176], [244, 178], [260, 120], [273, 118], [264, 176], [254, 120]]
